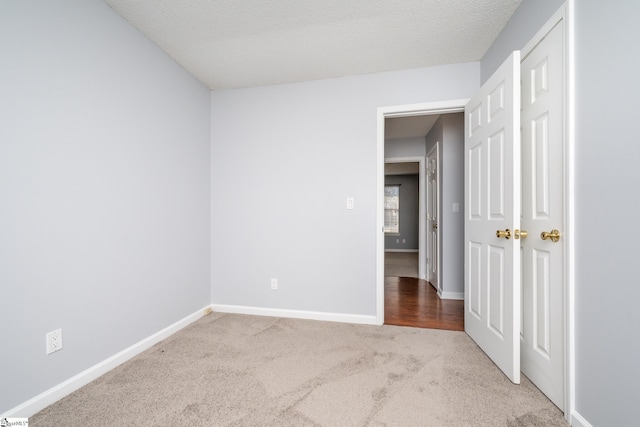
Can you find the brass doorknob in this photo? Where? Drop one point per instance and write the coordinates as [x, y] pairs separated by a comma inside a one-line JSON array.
[[553, 235], [503, 233], [434, 226], [520, 234]]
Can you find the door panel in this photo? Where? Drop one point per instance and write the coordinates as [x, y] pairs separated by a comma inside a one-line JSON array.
[[473, 295], [474, 169], [492, 194], [496, 168], [539, 140], [495, 298], [540, 302], [542, 115]]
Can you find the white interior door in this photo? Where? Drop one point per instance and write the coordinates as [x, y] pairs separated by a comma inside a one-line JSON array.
[[433, 260], [542, 336], [492, 193]]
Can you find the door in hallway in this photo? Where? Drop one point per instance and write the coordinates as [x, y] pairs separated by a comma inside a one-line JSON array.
[[542, 118], [433, 232]]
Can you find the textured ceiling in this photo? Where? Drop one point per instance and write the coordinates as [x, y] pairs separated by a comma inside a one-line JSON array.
[[244, 43]]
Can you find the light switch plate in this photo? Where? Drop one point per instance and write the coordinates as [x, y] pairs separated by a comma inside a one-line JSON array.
[[350, 203]]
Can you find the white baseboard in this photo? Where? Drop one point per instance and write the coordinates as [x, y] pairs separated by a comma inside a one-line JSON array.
[[578, 421], [295, 314], [451, 295], [414, 251], [46, 398]]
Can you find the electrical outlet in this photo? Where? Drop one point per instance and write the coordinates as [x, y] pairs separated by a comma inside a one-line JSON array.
[[274, 284], [54, 341]]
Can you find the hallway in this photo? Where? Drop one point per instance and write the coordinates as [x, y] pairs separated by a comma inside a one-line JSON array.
[[410, 301]]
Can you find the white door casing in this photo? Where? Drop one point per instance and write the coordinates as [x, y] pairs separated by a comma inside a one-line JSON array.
[[433, 229], [492, 194], [407, 110], [542, 118]]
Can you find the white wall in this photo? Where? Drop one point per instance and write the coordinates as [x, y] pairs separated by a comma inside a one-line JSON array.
[[104, 189], [449, 131], [523, 25], [267, 225], [607, 202]]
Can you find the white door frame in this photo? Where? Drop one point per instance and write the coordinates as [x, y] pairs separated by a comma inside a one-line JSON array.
[[442, 107], [422, 268], [566, 13]]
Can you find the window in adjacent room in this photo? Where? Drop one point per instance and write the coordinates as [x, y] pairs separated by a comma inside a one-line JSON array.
[[392, 209]]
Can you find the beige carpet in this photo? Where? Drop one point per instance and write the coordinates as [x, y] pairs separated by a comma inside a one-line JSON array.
[[237, 370], [401, 264]]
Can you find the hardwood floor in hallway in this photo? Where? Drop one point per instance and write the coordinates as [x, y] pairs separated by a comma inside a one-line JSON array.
[[414, 302]]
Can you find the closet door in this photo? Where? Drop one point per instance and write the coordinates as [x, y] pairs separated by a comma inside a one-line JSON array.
[[492, 217], [543, 256]]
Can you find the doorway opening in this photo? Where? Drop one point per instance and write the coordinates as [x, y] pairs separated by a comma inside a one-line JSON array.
[[404, 202], [421, 300]]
